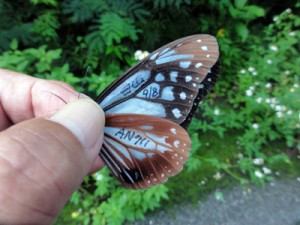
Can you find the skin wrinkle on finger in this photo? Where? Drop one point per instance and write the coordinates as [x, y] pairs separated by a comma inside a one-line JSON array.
[[56, 138], [35, 157], [49, 216], [73, 158], [17, 108], [23, 97], [36, 184]]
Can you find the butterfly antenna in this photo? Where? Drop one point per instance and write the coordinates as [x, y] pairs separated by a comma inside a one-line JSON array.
[[84, 82]]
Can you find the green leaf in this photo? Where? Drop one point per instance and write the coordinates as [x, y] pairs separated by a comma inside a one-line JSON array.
[[240, 3], [14, 44], [242, 31], [114, 28], [47, 2]]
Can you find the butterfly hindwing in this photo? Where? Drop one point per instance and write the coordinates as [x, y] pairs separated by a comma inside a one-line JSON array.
[[143, 151], [169, 83]]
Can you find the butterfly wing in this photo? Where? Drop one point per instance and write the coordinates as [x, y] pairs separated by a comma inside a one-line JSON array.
[[169, 83], [143, 151]]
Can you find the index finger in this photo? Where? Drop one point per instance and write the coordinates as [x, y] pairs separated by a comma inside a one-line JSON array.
[[24, 97]]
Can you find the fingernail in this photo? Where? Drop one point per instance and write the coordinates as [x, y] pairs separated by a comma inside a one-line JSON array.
[[85, 119]]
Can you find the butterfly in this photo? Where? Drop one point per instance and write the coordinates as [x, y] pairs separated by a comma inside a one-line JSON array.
[[150, 106]]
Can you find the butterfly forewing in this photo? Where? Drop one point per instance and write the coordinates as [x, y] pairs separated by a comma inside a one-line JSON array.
[[143, 151], [169, 83]]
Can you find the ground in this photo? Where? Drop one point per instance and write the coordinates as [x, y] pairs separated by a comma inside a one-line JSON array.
[[277, 203]]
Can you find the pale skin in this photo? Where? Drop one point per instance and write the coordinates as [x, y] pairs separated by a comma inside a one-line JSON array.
[[47, 147]]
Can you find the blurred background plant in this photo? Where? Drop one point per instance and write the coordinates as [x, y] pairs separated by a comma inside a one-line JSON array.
[[246, 130]]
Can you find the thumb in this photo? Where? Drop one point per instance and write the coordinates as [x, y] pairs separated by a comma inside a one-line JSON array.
[[42, 162]]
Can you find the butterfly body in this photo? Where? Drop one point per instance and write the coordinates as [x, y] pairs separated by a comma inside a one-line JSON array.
[[149, 107]]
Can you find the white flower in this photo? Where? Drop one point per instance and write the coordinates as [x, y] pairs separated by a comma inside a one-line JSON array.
[[277, 173], [243, 71], [292, 33], [251, 88], [139, 54], [274, 48], [268, 100], [258, 174], [269, 61], [251, 69], [254, 73], [274, 100], [249, 92], [278, 108], [217, 112], [218, 176], [266, 170], [279, 114], [287, 72], [292, 90], [268, 85], [290, 112], [255, 126], [258, 161], [275, 18], [259, 100], [99, 176], [240, 155], [145, 54], [296, 85], [288, 10]]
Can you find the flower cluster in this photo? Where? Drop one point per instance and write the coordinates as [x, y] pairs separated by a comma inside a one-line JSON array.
[[139, 54]]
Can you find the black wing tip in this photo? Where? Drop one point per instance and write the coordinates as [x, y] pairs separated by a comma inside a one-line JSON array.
[[208, 83]]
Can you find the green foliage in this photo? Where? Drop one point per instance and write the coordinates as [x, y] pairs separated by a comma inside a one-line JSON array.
[[246, 128]]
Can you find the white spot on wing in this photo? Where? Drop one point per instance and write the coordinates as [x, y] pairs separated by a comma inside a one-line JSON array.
[[159, 77], [204, 48], [173, 76], [198, 65], [176, 144], [173, 130], [199, 40], [185, 64], [188, 78], [183, 95], [168, 94], [176, 112]]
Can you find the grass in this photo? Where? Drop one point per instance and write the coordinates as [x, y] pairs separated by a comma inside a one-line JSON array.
[[190, 186]]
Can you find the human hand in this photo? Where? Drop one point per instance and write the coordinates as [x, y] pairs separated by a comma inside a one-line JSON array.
[[47, 147]]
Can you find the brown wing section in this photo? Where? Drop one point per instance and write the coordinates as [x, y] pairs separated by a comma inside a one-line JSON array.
[[143, 151]]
